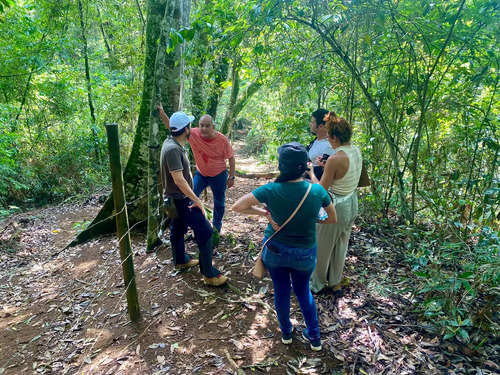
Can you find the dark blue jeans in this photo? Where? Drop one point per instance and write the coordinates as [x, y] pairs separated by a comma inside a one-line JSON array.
[[218, 185], [202, 229], [292, 267]]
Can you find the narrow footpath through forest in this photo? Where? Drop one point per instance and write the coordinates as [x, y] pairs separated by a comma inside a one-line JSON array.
[[66, 313]]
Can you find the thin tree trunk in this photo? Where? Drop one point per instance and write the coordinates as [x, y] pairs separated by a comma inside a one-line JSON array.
[[25, 92], [23, 100], [87, 78], [236, 105], [235, 90], [221, 71], [141, 16], [424, 105], [198, 83], [104, 37], [122, 224], [198, 91]]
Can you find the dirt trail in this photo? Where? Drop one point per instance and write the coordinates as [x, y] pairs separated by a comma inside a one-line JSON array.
[[67, 315]]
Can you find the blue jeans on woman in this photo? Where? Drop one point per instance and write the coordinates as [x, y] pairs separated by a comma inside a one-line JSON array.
[[292, 267], [218, 184]]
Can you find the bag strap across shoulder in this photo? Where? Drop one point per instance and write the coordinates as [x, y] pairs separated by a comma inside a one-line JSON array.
[[290, 218]]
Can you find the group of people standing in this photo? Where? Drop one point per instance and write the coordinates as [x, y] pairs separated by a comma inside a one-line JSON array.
[[303, 250]]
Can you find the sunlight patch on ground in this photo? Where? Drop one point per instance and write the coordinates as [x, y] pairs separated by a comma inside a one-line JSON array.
[[79, 270], [260, 321]]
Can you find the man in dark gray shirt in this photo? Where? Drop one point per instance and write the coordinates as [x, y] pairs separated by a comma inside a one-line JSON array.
[[177, 184]]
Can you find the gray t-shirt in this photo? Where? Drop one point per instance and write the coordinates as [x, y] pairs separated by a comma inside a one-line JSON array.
[[174, 158]]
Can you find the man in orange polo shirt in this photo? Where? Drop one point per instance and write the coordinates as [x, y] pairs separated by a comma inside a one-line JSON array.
[[211, 150]]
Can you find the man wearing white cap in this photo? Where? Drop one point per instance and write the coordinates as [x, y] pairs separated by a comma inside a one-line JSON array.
[[177, 183], [211, 150]]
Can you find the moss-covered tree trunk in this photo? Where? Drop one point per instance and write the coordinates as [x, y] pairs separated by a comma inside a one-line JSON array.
[[220, 73], [154, 123], [136, 171]]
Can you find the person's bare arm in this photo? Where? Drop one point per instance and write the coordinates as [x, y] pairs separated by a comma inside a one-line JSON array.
[[182, 184], [246, 205], [232, 170], [163, 116], [329, 172]]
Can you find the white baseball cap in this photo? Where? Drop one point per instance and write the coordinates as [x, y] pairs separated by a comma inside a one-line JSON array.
[[179, 121]]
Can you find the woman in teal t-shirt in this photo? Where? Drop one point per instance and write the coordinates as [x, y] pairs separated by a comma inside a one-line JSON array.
[[290, 256]]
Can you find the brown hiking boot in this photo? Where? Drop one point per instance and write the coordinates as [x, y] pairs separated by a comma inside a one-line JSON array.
[[191, 263], [216, 281]]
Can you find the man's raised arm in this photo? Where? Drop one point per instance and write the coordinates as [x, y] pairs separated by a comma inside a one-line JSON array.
[[163, 116]]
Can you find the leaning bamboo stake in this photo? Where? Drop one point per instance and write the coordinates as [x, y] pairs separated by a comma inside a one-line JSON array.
[[122, 229]]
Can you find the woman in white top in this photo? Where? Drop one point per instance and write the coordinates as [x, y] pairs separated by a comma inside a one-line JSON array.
[[341, 177]]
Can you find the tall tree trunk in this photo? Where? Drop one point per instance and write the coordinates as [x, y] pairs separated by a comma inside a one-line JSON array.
[[172, 82], [154, 123], [26, 90], [87, 78], [198, 83], [185, 8], [136, 171], [235, 90]]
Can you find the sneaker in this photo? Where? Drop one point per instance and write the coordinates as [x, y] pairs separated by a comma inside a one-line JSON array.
[[216, 281], [191, 263], [286, 338], [315, 343]]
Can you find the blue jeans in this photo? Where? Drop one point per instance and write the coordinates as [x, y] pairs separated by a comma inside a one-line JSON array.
[[285, 264], [202, 229], [218, 184]]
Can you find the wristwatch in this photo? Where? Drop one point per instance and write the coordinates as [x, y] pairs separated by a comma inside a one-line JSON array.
[[231, 177]]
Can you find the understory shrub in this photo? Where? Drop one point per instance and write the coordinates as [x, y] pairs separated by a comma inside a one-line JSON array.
[[457, 287]]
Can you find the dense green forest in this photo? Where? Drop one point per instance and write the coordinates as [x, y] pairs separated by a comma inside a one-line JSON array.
[[418, 80]]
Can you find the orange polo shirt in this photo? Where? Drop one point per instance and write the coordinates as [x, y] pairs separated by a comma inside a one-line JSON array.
[[210, 154]]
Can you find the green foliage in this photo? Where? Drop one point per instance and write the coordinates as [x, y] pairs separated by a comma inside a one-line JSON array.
[[5, 4], [49, 147], [456, 288]]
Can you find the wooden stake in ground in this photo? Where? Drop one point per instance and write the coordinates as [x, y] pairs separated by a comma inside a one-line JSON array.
[[122, 229]]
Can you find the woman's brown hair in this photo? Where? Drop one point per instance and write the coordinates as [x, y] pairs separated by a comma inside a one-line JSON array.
[[339, 127]]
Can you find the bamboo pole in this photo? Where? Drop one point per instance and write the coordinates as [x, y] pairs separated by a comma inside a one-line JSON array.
[[122, 229]]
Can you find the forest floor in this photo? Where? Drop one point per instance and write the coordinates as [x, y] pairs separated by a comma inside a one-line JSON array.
[[63, 311]]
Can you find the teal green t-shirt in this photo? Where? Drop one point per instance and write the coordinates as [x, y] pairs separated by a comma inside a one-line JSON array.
[[282, 199]]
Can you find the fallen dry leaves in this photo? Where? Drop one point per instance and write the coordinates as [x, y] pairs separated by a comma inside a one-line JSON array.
[[68, 314]]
